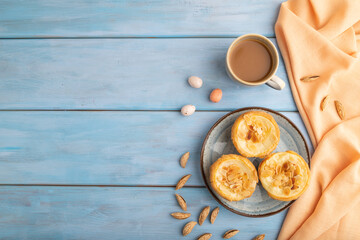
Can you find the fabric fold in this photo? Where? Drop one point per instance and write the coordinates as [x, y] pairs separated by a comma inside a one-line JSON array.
[[321, 37]]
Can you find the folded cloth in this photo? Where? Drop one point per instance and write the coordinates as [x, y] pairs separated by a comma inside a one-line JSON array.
[[322, 38]]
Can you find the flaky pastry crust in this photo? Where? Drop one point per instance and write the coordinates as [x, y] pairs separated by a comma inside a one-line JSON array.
[[284, 175], [233, 177], [255, 134]]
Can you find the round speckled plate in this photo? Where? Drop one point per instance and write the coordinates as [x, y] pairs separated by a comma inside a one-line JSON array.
[[218, 142]]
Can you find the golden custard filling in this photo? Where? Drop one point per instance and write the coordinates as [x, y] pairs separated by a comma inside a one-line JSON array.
[[284, 175], [255, 134], [233, 177]]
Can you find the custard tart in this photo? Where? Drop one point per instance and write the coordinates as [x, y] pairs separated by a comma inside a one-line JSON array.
[[233, 177], [284, 175], [255, 134]]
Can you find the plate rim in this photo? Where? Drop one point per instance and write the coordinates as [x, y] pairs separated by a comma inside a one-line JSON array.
[[202, 157]]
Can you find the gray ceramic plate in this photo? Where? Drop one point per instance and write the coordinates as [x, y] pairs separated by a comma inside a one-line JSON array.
[[218, 142]]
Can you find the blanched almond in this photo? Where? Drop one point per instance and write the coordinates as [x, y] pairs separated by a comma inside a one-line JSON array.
[[188, 110], [195, 82]]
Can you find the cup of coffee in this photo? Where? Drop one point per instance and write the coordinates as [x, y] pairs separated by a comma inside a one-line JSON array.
[[252, 59]]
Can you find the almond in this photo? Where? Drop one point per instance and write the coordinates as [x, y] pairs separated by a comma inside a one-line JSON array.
[[188, 110], [184, 158], [259, 237], [216, 95], [195, 82], [203, 215], [182, 181], [324, 102], [188, 227], [205, 236], [230, 233], [340, 109], [181, 201], [180, 215], [214, 214], [309, 78]]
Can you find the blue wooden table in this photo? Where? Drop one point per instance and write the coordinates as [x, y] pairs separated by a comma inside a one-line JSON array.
[[90, 128]]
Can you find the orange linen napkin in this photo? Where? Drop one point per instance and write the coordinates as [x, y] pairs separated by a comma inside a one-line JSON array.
[[322, 37]]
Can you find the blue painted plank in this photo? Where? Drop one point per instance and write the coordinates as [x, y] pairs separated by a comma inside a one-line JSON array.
[[124, 148], [107, 18], [116, 213], [126, 74]]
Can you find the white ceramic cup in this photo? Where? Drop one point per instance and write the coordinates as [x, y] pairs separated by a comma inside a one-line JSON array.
[[270, 79]]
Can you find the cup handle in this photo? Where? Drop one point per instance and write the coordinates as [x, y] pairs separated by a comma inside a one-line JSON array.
[[276, 83]]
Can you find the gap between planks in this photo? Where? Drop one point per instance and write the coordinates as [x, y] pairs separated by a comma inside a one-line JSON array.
[[131, 37], [120, 110], [96, 185]]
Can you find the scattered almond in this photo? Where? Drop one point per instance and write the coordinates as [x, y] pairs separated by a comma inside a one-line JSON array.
[[195, 82], [188, 110], [203, 215], [230, 233], [340, 109], [184, 158], [309, 78], [324, 102], [205, 236], [214, 214], [216, 95], [180, 215], [259, 237], [181, 201], [188, 227], [182, 181]]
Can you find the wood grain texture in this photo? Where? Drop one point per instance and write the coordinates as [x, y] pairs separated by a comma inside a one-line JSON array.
[[126, 74], [112, 70], [125, 148], [136, 18], [44, 213]]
